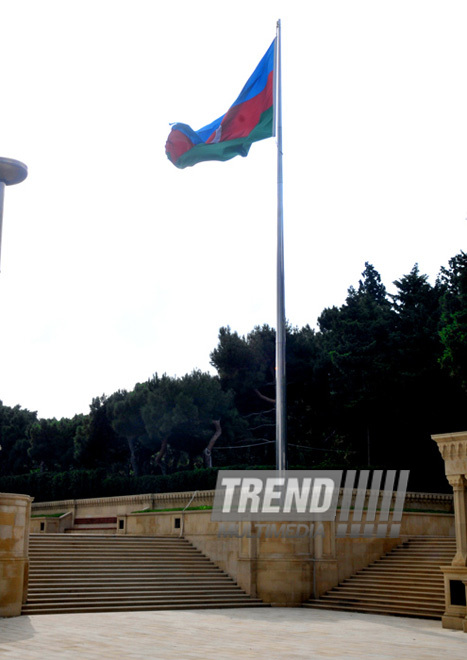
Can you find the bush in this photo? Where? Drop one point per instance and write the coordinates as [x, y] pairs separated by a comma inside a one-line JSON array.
[[81, 484]]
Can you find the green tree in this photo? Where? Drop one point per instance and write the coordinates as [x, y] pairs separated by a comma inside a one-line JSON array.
[[454, 318], [246, 364], [96, 444], [14, 439], [421, 395], [126, 419], [51, 443], [357, 342], [186, 414]]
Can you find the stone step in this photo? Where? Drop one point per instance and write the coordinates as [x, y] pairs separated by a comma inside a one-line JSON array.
[[164, 558], [103, 563], [114, 547], [430, 547], [129, 588], [131, 573], [122, 551], [338, 595], [128, 566], [395, 591], [382, 576], [109, 598], [104, 540], [136, 556], [43, 536], [396, 587], [157, 554], [202, 604], [416, 612], [131, 579], [395, 566], [420, 556], [114, 542], [403, 570], [430, 541], [419, 553]]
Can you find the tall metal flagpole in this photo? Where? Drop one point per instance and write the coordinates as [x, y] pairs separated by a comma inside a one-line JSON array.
[[281, 411]]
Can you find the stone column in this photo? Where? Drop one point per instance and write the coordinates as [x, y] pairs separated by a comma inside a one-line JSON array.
[[15, 514], [453, 448], [459, 486]]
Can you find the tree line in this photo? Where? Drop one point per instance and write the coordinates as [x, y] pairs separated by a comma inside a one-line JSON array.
[[367, 387]]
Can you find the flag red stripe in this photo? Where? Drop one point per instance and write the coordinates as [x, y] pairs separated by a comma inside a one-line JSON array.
[[241, 119]]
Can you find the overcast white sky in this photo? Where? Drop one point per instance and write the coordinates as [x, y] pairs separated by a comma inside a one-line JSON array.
[[116, 265]]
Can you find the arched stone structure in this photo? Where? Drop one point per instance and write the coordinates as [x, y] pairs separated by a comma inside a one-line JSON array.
[[453, 448]]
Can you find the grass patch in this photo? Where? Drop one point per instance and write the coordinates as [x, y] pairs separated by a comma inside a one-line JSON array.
[[179, 508], [208, 508], [47, 515], [427, 511]]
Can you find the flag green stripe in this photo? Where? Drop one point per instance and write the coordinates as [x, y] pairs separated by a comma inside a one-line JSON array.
[[227, 150]]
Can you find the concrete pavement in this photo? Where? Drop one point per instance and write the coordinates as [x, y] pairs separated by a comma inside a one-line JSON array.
[[229, 634]]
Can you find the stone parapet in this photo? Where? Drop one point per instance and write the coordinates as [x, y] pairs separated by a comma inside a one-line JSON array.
[[124, 504]]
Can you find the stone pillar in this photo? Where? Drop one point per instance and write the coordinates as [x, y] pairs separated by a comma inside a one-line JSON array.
[[459, 486], [15, 514], [453, 448]]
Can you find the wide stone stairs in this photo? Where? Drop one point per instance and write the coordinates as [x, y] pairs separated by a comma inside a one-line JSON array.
[[91, 573], [407, 582]]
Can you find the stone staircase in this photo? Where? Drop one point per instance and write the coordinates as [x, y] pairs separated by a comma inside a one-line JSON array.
[[407, 582], [91, 573]]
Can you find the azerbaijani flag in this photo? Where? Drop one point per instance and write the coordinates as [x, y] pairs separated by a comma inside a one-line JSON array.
[[247, 121]]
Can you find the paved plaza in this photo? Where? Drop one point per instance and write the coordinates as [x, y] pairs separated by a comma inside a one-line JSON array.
[[237, 634]]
